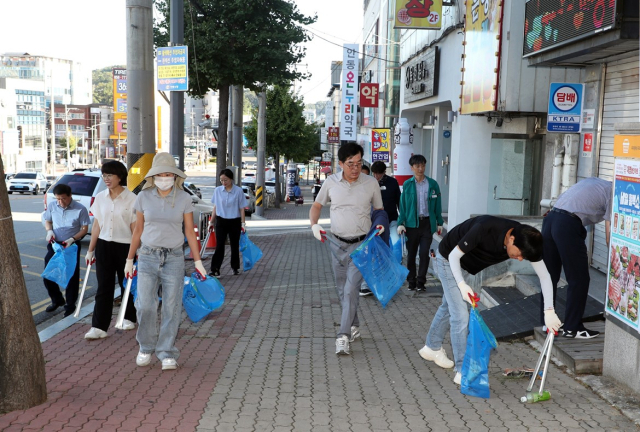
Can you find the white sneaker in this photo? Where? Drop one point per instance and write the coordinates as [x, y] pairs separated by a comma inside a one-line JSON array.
[[128, 325], [95, 333], [169, 364], [342, 345], [439, 357], [143, 359], [355, 333], [457, 378]]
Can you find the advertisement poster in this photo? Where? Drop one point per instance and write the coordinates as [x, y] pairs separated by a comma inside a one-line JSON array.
[[418, 14], [173, 74], [120, 103], [564, 112], [333, 135], [380, 145], [481, 56], [623, 287]]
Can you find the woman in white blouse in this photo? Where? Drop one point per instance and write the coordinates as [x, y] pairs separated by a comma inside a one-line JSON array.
[[113, 224]]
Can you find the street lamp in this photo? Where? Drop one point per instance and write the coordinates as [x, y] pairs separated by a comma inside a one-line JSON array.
[[94, 130]]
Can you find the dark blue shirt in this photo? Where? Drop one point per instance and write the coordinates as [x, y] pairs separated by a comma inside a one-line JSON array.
[[390, 192]]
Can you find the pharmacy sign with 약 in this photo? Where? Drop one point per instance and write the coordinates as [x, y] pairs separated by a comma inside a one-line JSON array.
[[565, 107]]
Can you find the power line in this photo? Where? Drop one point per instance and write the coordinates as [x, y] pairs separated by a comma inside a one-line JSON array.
[[359, 52]]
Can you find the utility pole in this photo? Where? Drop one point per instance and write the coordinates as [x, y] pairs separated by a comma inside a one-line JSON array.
[[176, 38], [230, 127], [53, 131], [238, 99], [262, 144], [140, 111]]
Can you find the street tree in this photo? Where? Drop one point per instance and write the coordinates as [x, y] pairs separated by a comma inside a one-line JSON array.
[[288, 133], [22, 373], [236, 42], [103, 85]]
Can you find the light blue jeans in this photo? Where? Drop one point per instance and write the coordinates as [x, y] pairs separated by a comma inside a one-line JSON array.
[[159, 266], [452, 315]]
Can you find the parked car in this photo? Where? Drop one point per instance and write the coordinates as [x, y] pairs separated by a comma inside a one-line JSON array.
[[193, 188], [270, 186], [9, 176], [251, 198], [51, 179], [31, 182], [85, 185]]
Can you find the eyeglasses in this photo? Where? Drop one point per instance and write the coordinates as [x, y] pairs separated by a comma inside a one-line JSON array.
[[107, 176], [352, 165]]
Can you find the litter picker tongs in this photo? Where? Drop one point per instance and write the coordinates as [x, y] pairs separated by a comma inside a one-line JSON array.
[[76, 314], [125, 300], [206, 242], [541, 394]]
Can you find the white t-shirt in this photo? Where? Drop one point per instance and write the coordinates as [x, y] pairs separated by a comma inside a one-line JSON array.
[[115, 216]]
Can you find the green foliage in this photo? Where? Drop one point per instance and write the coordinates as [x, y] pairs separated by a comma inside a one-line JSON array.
[[238, 42], [103, 85], [250, 102], [288, 134]]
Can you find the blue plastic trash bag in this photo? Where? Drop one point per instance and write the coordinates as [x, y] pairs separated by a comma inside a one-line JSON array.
[[200, 298], [475, 367], [397, 247], [379, 268], [250, 252], [62, 264]]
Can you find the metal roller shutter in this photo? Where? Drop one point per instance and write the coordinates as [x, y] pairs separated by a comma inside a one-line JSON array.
[[620, 106]]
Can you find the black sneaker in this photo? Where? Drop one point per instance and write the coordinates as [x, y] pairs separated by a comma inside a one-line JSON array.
[[52, 307], [411, 288], [581, 334], [365, 292], [421, 288], [235, 272], [214, 273]]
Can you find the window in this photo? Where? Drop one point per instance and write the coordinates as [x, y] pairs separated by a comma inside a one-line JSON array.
[[30, 176], [80, 184]]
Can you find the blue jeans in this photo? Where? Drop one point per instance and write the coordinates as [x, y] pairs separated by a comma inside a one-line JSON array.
[[159, 266], [452, 315]]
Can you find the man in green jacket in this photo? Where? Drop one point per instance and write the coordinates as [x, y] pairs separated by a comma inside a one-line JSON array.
[[420, 217]]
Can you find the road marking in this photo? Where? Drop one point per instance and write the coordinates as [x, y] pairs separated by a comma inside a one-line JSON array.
[[26, 217], [44, 304]]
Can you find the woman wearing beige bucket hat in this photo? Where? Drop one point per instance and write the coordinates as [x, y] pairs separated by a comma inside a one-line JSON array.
[[162, 207]]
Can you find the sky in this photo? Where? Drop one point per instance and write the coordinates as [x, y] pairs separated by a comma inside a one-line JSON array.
[[93, 32]]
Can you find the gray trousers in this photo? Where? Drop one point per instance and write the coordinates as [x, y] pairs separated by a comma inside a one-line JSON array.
[[348, 280]]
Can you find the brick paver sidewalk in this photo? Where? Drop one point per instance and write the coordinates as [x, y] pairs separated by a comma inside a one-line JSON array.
[[266, 361]]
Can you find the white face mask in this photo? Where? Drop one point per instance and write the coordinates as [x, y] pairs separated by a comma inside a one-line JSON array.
[[164, 183]]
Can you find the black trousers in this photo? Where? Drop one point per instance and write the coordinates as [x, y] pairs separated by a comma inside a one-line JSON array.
[[563, 246], [110, 261], [224, 228], [418, 238], [72, 289]]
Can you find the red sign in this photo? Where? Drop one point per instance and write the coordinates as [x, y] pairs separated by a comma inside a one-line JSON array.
[[369, 95], [333, 135], [588, 142], [325, 163]]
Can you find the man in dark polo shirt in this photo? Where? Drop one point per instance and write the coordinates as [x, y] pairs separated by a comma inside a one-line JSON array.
[[469, 248], [351, 195]]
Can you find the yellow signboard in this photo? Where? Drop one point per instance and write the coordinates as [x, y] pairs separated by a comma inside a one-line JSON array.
[[481, 56], [418, 14], [626, 146], [120, 102]]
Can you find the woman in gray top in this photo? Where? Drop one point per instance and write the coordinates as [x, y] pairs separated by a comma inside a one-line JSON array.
[[162, 207]]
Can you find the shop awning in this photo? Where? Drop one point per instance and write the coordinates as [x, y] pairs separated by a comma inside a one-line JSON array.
[[325, 170]]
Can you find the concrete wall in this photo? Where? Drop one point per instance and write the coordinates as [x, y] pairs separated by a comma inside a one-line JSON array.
[[622, 356]]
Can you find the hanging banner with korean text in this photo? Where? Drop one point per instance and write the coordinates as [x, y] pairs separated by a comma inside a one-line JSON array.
[[623, 277], [349, 87], [369, 95], [418, 14], [333, 135], [380, 145], [481, 65], [119, 104], [172, 68]]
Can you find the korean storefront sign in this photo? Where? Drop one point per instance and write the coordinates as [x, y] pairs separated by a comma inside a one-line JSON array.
[[380, 145], [349, 103], [482, 30], [623, 287], [421, 76], [564, 113], [418, 14], [369, 95], [333, 135]]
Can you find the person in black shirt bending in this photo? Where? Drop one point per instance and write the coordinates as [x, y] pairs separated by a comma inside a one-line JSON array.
[[470, 247]]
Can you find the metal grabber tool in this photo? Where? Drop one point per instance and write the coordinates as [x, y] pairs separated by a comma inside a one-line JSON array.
[[541, 394], [206, 242], [125, 300], [76, 314]]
